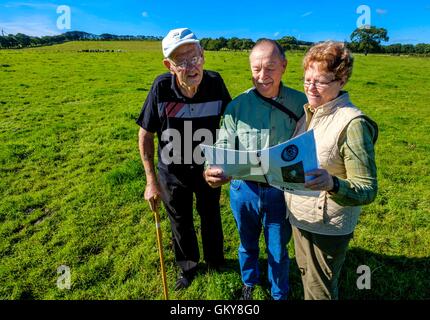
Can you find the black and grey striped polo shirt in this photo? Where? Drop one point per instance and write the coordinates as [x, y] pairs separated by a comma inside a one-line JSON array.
[[167, 108]]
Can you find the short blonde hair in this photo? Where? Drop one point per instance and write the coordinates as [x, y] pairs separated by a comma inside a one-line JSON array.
[[333, 57]]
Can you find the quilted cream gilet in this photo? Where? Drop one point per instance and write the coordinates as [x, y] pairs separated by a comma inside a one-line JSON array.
[[321, 214]]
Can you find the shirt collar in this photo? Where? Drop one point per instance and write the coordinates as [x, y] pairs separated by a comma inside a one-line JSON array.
[[328, 107], [175, 88], [282, 95]]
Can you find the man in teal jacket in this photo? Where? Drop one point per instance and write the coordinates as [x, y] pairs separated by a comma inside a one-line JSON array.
[[261, 117]]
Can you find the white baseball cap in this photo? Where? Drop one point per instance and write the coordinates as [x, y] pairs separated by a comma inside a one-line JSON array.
[[176, 38]]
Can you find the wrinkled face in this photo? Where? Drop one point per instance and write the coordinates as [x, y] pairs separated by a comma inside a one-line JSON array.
[[186, 62], [267, 68], [321, 86]]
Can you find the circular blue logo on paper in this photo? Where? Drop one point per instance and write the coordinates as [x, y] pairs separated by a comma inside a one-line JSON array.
[[290, 153]]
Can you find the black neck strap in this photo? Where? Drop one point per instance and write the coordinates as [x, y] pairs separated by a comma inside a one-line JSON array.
[[277, 105]]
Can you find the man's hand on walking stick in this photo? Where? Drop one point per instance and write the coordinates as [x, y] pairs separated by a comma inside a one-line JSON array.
[[152, 195]]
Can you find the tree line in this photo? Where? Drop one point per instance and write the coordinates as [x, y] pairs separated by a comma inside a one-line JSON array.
[[237, 44], [21, 40], [363, 40]]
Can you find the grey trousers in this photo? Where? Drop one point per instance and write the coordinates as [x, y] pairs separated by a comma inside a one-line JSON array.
[[320, 259]]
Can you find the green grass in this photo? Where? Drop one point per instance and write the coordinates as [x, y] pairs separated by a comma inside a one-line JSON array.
[[71, 181]]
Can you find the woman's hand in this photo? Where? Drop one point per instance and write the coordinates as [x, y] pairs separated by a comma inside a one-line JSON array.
[[322, 181]]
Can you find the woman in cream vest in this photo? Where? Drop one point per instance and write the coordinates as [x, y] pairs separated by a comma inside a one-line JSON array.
[[346, 179]]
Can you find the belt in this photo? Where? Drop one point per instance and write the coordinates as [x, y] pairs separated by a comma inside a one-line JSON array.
[[183, 168], [259, 184]]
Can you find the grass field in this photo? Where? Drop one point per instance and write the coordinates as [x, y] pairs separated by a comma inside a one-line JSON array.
[[71, 180]]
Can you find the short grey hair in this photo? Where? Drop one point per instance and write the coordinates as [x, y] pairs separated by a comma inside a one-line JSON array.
[[275, 44]]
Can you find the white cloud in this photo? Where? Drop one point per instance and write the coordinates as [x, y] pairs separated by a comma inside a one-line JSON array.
[[276, 34], [381, 11], [33, 26], [145, 14], [31, 5], [306, 14]]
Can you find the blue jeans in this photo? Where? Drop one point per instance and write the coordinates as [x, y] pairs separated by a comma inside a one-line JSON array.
[[255, 207]]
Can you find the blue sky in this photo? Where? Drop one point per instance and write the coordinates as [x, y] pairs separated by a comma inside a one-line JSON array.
[[406, 21]]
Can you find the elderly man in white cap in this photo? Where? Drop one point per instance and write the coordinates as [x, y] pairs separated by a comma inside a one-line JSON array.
[[181, 102]]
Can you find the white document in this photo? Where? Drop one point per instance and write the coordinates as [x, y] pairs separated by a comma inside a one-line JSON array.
[[283, 166]]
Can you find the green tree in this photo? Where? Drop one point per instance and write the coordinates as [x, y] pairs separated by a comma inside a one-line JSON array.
[[422, 48], [408, 49], [369, 39], [394, 48], [222, 42], [246, 44], [288, 40], [233, 43], [12, 41], [23, 39], [204, 43], [213, 45]]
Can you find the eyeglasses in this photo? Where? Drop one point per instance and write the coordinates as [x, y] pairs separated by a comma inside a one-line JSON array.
[[318, 84], [194, 61]]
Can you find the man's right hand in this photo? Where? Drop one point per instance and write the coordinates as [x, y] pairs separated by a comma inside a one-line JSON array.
[[215, 177], [153, 195]]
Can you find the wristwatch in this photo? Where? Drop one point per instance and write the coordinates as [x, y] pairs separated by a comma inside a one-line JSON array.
[[335, 188]]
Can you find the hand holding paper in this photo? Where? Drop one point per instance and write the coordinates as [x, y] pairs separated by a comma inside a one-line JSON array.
[[282, 166], [322, 180]]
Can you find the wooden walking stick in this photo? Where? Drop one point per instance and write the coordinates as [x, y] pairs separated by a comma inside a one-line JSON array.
[[154, 208]]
